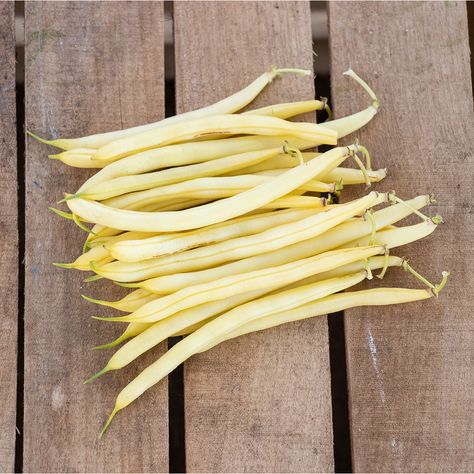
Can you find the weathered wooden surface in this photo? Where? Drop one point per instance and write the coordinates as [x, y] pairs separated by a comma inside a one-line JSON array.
[[90, 66], [8, 239], [410, 368], [261, 402]]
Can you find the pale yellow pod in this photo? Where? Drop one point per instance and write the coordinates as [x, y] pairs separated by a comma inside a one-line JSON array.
[[273, 278], [190, 153], [288, 109], [241, 247], [335, 237], [214, 212], [154, 333], [373, 263], [353, 176], [343, 176], [342, 234], [346, 232], [98, 254], [282, 161], [203, 188], [398, 236], [189, 320], [329, 305], [214, 125], [100, 231], [129, 303], [127, 184], [78, 158], [132, 250], [227, 105], [347, 125], [110, 240], [222, 325]]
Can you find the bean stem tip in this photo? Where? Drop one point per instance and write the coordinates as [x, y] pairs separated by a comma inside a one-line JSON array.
[[109, 420], [96, 375], [365, 86]]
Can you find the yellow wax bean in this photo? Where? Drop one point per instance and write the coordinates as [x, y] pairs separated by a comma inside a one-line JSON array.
[[154, 333], [228, 105], [130, 250], [345, 176], [234, 249], [224, 324], [110, 240], [130, 303], [78, 158], [329, 305], [99, 254], [281, 161], [214, 125], [188, 154], [126, 184], [203, 188], [273, 278], [398, 236], [288, 109], [189, 320], [214, 212]]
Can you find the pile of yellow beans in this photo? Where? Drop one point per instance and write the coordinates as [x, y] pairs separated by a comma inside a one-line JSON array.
[[224, 223]]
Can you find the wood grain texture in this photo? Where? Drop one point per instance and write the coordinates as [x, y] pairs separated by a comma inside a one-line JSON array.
[[411, 367], [260, 403], [90, 67], [8, 239]]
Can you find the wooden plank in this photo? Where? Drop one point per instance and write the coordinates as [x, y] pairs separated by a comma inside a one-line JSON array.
[[8, 240], [90, 66], [261, 402], [410, 368]]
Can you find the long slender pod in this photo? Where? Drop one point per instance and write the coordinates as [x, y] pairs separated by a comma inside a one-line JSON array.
[[228, 105], [127, 184], [204, 188], [345, 176], [329, 305], [273, 278], [131, 250], [188, 320], [224, 324], [188, 153], [214, 212], [214, 125], [241, 247]]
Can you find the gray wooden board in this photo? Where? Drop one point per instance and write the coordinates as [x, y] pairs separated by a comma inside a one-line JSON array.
[[90, 67], [8, 239], [411, 367], [261, 402]]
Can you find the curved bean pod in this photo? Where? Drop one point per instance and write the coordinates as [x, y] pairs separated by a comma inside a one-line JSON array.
[[204, 188], [130, 250], [345, 176], [127, 184], [214, 126], [228, 105], [234, 249], [329, 305], [224, 324], [189, 153], [398, 236], [189, 320], [214, 212], [273, 278], [288, 109]]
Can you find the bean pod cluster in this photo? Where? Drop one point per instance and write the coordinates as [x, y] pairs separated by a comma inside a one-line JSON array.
[[224, 222]]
